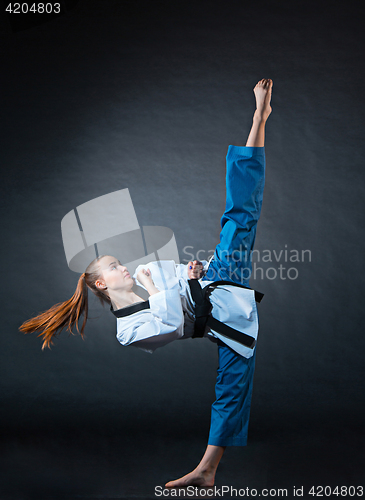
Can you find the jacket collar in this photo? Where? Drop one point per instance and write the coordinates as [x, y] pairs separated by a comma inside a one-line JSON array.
[[126, 311]]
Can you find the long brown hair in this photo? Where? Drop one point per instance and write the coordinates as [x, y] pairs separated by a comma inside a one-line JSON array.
[[67, 314]]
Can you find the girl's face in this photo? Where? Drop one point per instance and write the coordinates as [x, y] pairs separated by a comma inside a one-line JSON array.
[[113, 275]]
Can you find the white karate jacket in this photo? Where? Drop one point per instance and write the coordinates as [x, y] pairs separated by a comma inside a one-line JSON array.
[[171, 313]]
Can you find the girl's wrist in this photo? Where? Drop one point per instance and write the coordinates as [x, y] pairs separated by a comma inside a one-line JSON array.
[[151, 289]]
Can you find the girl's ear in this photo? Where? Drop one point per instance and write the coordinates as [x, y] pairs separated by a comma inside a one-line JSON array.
[[100, 285]]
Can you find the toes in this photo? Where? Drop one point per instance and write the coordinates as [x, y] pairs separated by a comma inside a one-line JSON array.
[[266, 83]]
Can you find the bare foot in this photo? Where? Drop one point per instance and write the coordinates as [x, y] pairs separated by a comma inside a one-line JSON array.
[[262, 93], [194, 478]]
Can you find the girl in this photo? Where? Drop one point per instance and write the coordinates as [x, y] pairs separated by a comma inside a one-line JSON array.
[[219, 305]]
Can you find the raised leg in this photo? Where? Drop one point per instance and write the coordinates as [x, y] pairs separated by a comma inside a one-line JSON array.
[[245, 181], [262, 90]]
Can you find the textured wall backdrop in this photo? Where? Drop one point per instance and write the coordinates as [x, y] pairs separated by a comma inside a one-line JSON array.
[[147, 95]]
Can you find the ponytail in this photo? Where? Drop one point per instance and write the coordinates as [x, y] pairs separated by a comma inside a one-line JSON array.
[[67, 314], [59, 316]]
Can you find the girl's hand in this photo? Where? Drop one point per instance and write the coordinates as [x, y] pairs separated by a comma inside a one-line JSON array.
[[195, 270], [145, 278]]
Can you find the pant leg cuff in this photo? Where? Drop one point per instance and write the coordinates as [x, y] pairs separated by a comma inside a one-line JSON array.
[[235, 441], [244, 151]]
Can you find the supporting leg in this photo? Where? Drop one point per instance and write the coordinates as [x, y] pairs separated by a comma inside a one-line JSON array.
[[233, 389]]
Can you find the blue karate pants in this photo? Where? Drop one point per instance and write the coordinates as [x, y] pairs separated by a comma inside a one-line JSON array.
[[232, 261]]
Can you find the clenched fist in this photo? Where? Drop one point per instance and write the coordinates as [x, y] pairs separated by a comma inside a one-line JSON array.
[[195, 270], [144, 277]]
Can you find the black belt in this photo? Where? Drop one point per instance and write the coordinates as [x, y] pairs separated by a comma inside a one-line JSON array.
[[203, 316]]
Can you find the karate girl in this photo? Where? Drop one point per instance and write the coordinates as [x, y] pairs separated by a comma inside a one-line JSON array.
[[169, 313]]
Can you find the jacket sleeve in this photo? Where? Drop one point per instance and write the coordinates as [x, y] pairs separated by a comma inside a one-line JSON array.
[[154, 327]]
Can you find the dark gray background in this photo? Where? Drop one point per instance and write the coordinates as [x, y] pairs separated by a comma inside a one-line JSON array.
[[148, 95]]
